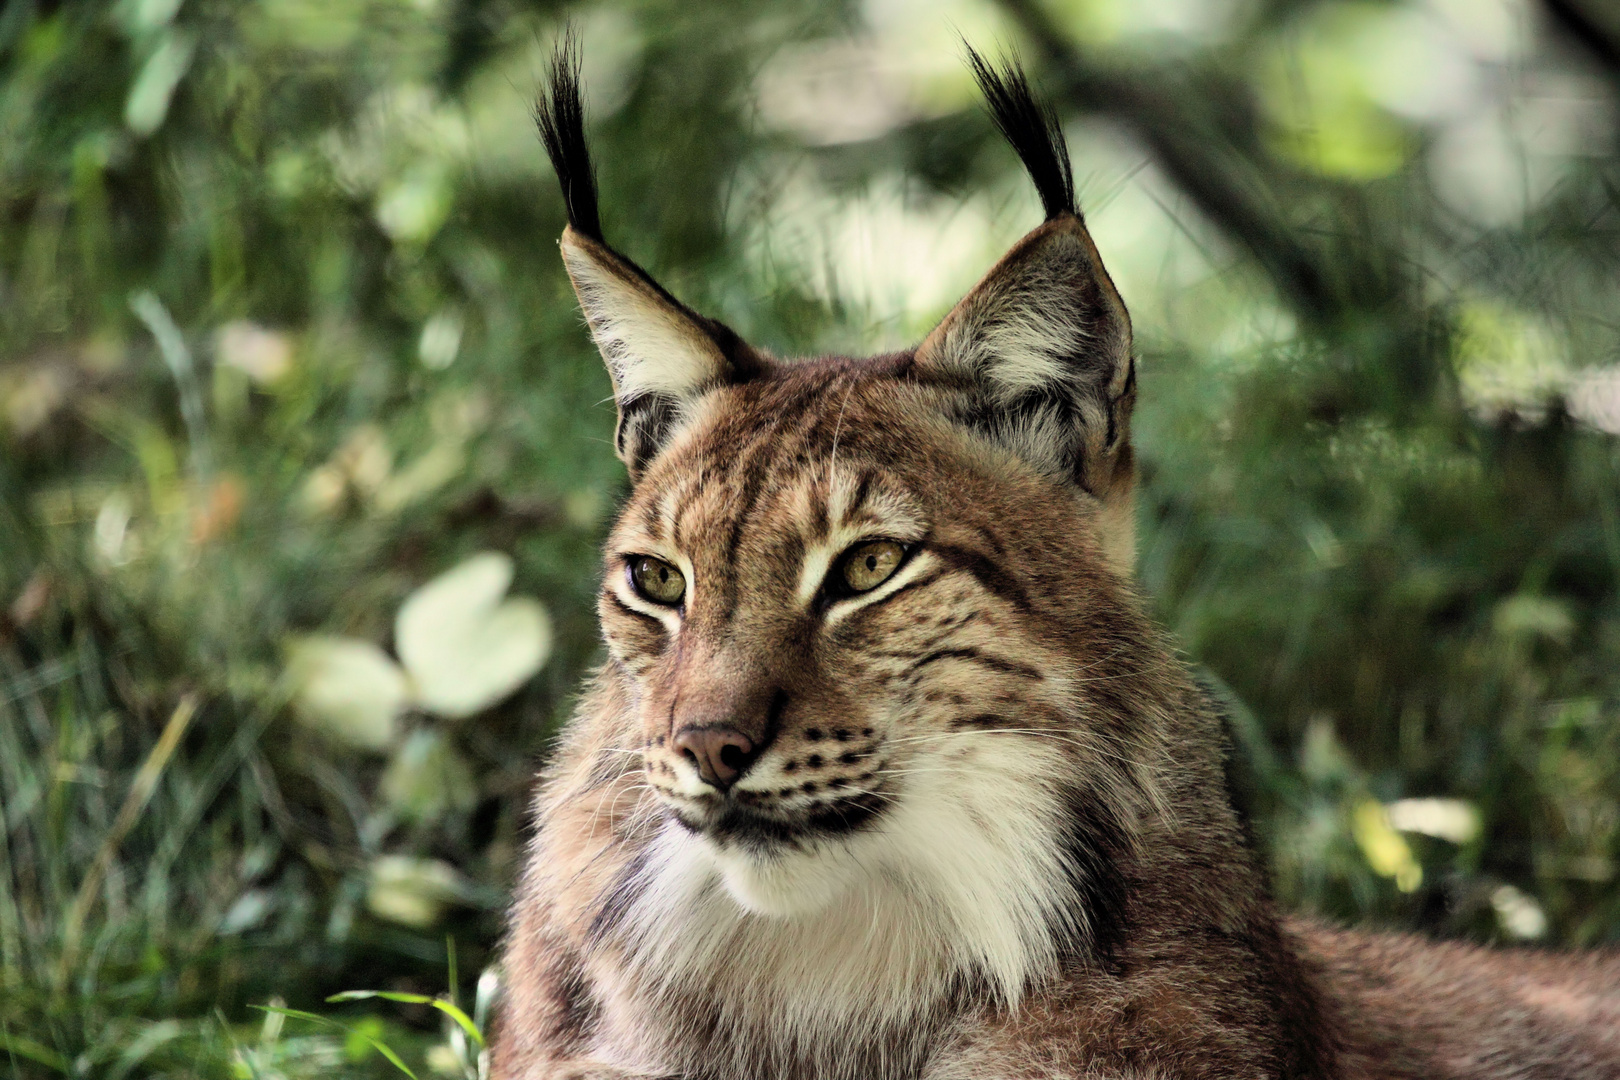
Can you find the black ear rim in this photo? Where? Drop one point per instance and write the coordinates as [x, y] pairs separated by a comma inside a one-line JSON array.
[[559, 113], [1032, 128]]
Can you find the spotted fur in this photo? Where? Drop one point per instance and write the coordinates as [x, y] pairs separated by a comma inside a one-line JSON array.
[[983, 831]]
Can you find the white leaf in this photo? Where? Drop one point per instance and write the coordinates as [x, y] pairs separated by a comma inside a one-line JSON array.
[[440, 341], [410, 891], [348, 689], [1519, 914], [148, 101], [1445, 819], [248, 913], [465, 648]]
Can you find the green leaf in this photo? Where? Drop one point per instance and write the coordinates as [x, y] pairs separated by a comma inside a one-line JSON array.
[[358, 1043], [298, 1014], [23, 1046], [416, 999], [387, 1052], [376, 1044]]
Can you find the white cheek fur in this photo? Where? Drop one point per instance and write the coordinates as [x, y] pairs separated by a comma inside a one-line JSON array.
[[796, 885], [670, 617]]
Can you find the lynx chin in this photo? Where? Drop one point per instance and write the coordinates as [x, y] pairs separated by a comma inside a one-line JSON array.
[[887, 775]]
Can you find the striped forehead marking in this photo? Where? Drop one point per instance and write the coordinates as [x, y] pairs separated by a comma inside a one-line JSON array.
[[725, 485]]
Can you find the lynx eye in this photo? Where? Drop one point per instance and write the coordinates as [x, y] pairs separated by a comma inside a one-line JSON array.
[[867, 565], [656, 580]]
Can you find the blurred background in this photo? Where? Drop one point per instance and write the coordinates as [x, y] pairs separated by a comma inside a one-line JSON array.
[[305, 454]]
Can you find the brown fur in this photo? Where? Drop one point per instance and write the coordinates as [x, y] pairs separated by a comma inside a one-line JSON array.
[[999, 716]]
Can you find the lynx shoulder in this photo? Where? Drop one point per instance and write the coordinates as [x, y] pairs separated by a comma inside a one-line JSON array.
[[887, 775]]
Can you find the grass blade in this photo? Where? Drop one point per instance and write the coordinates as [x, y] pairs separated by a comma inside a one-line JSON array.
[[23, 1046], [442, 1005], [376, 1044]]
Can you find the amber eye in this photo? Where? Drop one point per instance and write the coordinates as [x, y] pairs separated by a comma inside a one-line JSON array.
[[867, 565], [656, 580]]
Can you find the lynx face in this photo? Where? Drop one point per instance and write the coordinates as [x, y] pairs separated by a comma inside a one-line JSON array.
[[851, 607]]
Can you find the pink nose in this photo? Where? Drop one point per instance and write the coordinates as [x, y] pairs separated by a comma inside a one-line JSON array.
[[721, 754]]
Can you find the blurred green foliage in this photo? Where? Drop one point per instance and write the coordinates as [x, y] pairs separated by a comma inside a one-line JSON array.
[[283, 336]]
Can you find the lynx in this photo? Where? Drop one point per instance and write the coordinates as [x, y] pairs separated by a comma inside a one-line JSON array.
[[887, 775]]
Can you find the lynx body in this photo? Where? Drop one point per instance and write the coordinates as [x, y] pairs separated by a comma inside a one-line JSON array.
[[888, 776]]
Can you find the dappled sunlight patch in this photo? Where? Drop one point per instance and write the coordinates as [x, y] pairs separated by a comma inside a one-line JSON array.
[[1170, 26], [413, 206], [1325, 85], [1594, 398], [894, 257], [1505, 156], [878, 252], [262, 354], [1528, 617], [903, 65], [1508, 362]]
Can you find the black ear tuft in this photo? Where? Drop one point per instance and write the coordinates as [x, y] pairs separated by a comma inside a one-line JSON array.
[[1032, 128], [560, 114]]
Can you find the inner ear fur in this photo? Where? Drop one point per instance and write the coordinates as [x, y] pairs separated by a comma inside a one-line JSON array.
[[1040, 350], [659, 353]]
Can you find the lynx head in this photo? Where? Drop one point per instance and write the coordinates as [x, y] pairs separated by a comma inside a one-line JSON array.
[[870, 619]]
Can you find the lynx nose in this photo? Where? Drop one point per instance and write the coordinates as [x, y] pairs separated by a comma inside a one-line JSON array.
[[721, 754]]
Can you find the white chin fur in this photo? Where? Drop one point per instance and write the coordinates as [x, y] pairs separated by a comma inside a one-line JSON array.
[[961, 875], [793, 883]]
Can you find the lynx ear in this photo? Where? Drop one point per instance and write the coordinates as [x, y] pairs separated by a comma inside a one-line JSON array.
[[1041, 348], [1042, 345], [659, 353]]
